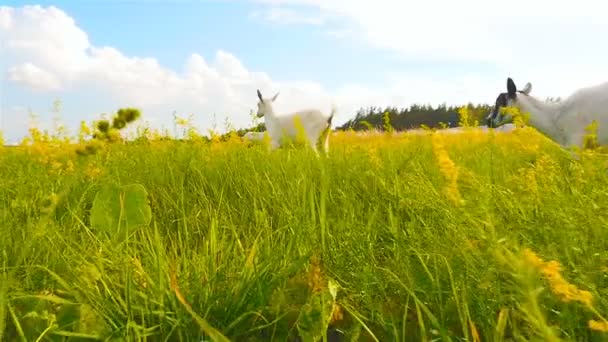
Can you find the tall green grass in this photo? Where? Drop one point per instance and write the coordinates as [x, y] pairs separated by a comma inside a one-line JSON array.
[[243, 242]]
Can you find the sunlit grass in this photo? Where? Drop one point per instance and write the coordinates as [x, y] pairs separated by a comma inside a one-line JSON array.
[[392, 237]]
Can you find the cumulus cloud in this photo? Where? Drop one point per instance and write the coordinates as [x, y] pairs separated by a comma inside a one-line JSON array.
[[467, 29], [552, 43], [45, 50], [34, 77]]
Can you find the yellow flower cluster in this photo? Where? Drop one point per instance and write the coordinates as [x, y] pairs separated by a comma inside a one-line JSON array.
[[318, 281], [58, 168], [54, 152], [559, 286], [590, 138], [182, 122], [519, 119], [448, 169], [463, 112], [551, 271], [92, 171], [536, 177], [598, 326], [372, 154]]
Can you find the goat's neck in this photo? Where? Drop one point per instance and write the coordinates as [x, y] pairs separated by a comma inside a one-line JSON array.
[[543, 116], [270, 120]]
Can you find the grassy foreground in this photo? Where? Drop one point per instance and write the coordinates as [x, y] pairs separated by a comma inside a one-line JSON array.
[[473, 236]]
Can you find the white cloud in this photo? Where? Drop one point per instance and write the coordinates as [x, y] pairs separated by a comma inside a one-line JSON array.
[[554, 45], [515, 36], [34, 77], [472, 30], [46, 50]]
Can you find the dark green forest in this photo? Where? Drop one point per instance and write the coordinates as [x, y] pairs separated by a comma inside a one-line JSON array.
[[400, 119], [412, 117]]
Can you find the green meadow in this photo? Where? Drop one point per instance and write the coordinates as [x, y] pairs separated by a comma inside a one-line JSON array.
[[473, 236]]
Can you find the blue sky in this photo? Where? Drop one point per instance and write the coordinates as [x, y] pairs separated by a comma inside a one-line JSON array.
[[212, 54]]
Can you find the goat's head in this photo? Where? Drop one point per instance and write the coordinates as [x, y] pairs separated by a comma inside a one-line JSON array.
[[508, 99], [265, 105]]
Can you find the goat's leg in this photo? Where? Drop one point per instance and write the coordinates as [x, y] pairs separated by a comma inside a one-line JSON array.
[[273, 145], [576, 139], [313, 144], [314, 148], [326, 142]]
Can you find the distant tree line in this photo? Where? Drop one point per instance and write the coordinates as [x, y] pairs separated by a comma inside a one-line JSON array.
[[412, 117]]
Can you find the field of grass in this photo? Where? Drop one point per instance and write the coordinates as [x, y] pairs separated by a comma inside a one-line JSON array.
[[395, 237]]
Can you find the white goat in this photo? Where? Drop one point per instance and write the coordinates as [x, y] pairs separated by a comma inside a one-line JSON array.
[[564, 122], [253, 136], [508, 127], [313, 121]]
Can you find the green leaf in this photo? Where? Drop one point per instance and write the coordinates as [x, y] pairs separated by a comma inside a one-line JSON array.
[[315, 316], [119, 208]]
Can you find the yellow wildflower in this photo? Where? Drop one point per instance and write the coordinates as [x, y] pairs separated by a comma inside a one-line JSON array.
[[114, 135], [215, 138], [519, 119], [463, 112], [36, 134], [156, 135], [84, 131], [545, 165], [590, 138], [527, 177], [56, 166], [336, 313], [559, 286], [448, 169], [84, 128], [92, 171], [372, 153], [69, 166], [315, 275], [182, 122], [566, 291], [193, 134], [234, 139], [598, 326], [532, 258]]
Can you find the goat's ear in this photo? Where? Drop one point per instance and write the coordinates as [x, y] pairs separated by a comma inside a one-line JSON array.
[[260, 96], [527, 88], [275, 96], [511, 88]]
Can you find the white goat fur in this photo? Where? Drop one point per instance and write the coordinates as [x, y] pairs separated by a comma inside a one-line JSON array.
[[565, 121], [313, 121], [254, 136]]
